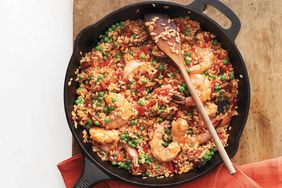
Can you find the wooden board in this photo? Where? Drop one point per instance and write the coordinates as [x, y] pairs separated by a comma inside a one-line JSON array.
[[260, 43]]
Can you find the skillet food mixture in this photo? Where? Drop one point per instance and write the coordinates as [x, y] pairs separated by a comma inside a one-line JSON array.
[[135, 109]]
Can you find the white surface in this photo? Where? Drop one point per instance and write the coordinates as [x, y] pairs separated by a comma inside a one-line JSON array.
[[35, 47]]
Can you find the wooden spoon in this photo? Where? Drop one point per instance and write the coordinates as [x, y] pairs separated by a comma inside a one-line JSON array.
[[166, 35]]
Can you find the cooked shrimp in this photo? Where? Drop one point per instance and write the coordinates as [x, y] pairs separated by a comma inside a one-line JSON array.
[[134, 66], [163, 154], [211, 108], [203, 88], [132, 153], [205, 56], [179, 133], [122, 112], [103, 136]]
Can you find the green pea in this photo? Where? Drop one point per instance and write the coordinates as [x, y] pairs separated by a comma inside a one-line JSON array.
[[216, 87], [115, 154], [147, 98], [142, 56], [214, 42], [96, 123], [100, 99], [188, 71], [98, 104], [114, 99], [87, 126], [225, 61], [165, 144], [160, 77], [117, 24], [79, 101], [133, 122], [121, 23], [181, 89], [141, 128], [231, 76], [161, 67], [106, 39], [101, 94], [222, 77], [117, 56], [106, 110], [114, 163], [187, 61], [167, 131], [130, 82], [188, 54], [90, 78], [187, 31], [113, 27], [130, 52], [190, 131], [123, 136], [141, 102], [107, 120], [111, 108], [154, 62], [171, 74], [134, 36], [99, 48]]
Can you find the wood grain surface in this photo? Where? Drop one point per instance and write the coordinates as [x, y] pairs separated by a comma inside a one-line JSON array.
[[260, 43]]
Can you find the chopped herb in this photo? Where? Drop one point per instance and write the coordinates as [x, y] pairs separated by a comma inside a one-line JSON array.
[[130, 82]]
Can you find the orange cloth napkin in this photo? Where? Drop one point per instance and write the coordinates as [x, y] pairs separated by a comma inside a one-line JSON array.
[[266, 173]]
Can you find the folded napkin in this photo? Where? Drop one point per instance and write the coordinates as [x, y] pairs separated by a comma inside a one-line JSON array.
[[266, 173]]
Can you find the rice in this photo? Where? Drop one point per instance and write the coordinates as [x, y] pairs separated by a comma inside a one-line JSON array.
[[146, 100]]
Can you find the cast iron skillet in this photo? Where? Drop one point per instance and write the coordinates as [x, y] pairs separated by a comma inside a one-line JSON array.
[[94, 168]]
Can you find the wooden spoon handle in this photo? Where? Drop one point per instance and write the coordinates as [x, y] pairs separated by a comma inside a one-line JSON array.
[[207, 121]]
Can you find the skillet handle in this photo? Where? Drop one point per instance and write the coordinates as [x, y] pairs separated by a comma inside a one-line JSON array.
[[90, 175], [200, 5]]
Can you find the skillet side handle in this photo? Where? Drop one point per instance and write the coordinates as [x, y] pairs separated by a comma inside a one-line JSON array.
[[90, 175], [200, 5]]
